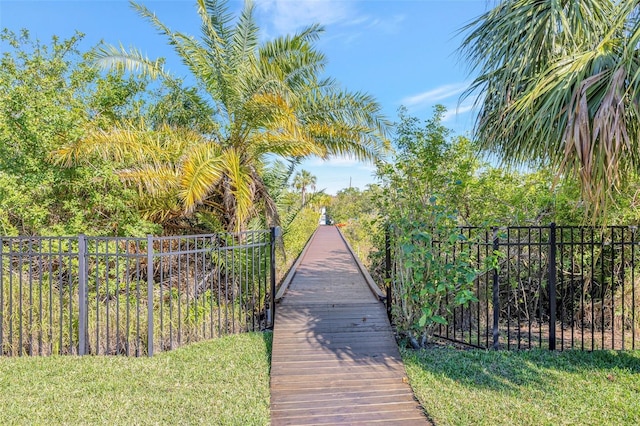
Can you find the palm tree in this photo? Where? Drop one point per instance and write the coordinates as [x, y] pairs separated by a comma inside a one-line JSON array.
[[558, 84], [302, 180], [267, 101]]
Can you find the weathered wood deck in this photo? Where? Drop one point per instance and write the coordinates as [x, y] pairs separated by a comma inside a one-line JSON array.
[[335, 359]]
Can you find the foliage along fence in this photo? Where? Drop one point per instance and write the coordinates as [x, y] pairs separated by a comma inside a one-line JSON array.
[[131, 296], [555, 287]]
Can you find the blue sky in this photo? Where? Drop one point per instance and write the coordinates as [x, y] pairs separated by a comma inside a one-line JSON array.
[[402, 51]]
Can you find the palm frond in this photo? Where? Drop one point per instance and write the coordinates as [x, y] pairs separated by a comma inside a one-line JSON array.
[[130, 142], [119, 144], [217, 17], [556, 85], [152, 179], [110, 57], [194, 55], [161, 208], [293, 59], [240, 186], [265, 197], [244, 38], [202, 169]]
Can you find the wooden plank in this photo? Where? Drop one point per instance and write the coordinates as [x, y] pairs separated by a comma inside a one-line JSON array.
[[334, 342], [321, 360], [356, 393], [380, 407], [334, 357], [295, 370], [360, 318], [335, 327], [285, 389], [392, 415]]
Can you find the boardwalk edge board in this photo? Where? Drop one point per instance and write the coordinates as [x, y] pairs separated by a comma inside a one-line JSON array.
[[292, 271], [364, 271]]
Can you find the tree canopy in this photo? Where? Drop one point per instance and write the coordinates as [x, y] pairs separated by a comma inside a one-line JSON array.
[[49, 96], [303, 180], [265, 98], [558, 84]]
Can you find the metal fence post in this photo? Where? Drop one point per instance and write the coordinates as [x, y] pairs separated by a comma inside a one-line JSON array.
[[387, 267], [83, 302], [275, 232], [149, 295], [552, 286], [496, 295]]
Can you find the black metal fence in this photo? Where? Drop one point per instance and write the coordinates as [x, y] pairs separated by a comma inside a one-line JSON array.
[[555, 287], [132, 296]]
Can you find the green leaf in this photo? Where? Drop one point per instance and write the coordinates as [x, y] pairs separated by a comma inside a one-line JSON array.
[[423, 321], [439, 319], [470, 276]]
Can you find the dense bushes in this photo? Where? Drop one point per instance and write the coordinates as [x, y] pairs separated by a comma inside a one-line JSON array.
[[434, 183], [49, 95]]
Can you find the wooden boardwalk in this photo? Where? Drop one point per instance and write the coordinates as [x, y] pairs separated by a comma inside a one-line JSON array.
[[335, 359]]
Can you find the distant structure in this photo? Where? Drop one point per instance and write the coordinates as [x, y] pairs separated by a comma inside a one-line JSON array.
[[324, 219]]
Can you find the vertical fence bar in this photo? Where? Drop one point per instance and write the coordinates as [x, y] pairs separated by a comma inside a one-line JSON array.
[[552, 287], [272, 297], [479, 305], [563, 290], [486, 244], [212, 281], [624, 301], [119, 345], [572, 318], [83, 301], [508, 281], [128, 300], [540, 283], [582, 289], [602, 286], [613, 288], [107, 301], [256, 238], [633, 288], [234, 280], [172, 314], [11, 314], [219, 281], [519, 284], [30, 254], [149, 296], [20, 296], [387, 268], [59, 294], [496, 296], [96, 299]]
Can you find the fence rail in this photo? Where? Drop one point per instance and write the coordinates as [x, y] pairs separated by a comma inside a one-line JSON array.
[[131, 296], [555, 287]]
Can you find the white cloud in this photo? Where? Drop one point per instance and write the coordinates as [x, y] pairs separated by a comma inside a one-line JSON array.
[[287, 16], [389, 25], [454, 112], [434, 95]]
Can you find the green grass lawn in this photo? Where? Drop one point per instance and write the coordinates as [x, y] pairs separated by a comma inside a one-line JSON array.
[[223, 381], [537, 387]]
